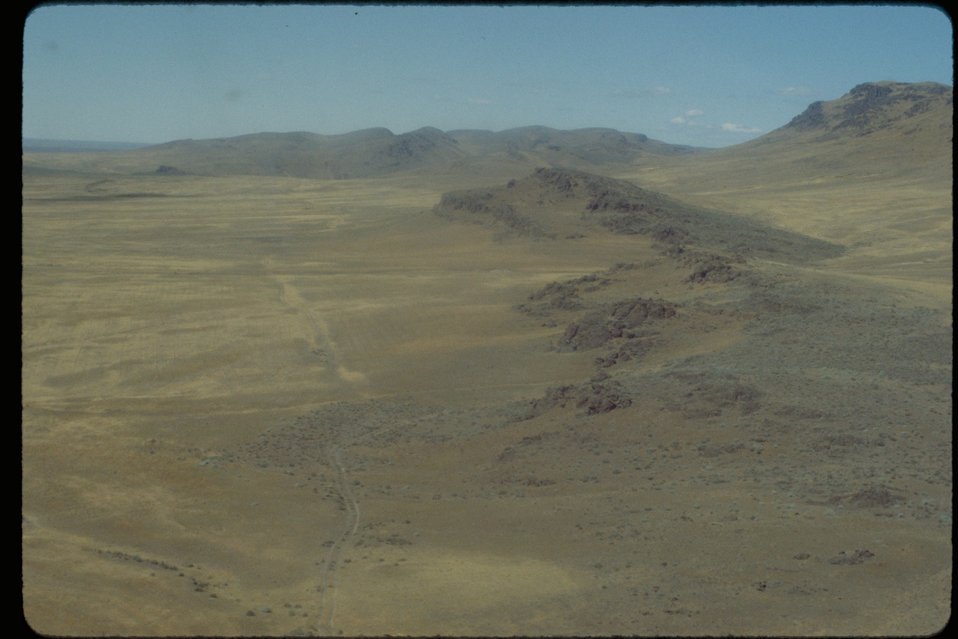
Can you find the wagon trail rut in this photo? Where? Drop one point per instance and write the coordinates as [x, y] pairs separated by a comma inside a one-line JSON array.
[[313, 327], [330, 573]]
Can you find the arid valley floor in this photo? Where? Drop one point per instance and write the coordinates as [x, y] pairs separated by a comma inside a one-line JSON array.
[[518, 393]]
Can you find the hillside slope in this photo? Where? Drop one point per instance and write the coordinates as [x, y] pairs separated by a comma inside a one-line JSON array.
[[565, 203], [871, 170], [581, 148]]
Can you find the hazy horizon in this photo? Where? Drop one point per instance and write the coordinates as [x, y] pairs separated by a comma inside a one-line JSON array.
[[699, 76], [38, 143]]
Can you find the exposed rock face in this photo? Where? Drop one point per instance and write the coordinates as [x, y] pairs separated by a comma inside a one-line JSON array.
[[811, 118], [869, 102], [871, 107], [622, 319], [597, 188], [559, 203], [562, 296], [712, 268], [483, 207], [592, 398]]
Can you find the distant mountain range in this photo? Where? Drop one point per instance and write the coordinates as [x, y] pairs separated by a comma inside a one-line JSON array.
[[379, 151], [39, 145], [880, 117]]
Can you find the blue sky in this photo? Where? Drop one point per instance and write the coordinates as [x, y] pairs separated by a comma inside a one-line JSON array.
[[706, 76]]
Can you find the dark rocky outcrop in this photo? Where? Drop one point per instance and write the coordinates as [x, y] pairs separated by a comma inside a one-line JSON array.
[[483, 207], [622, 319], [592, 398], [870, 107]]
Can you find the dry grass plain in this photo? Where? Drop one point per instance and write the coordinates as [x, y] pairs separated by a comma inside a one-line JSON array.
[[276, 406]]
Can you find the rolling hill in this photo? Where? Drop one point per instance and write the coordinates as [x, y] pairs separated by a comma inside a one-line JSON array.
[[591, 146], [885, 130], [871, 170], [564, 203], [365, 153], [379, 152]]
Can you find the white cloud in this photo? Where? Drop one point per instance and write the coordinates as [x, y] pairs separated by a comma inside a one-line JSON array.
[[689, 118], [731, 127], [799, 90], [661, 90]]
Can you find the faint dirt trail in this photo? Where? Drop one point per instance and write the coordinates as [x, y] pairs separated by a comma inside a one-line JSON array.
[[330, 573], [314, 328]]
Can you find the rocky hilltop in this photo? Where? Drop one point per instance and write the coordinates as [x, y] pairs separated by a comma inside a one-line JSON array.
[[875, 106], [559, 203], [878, 131], [883, 127]]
